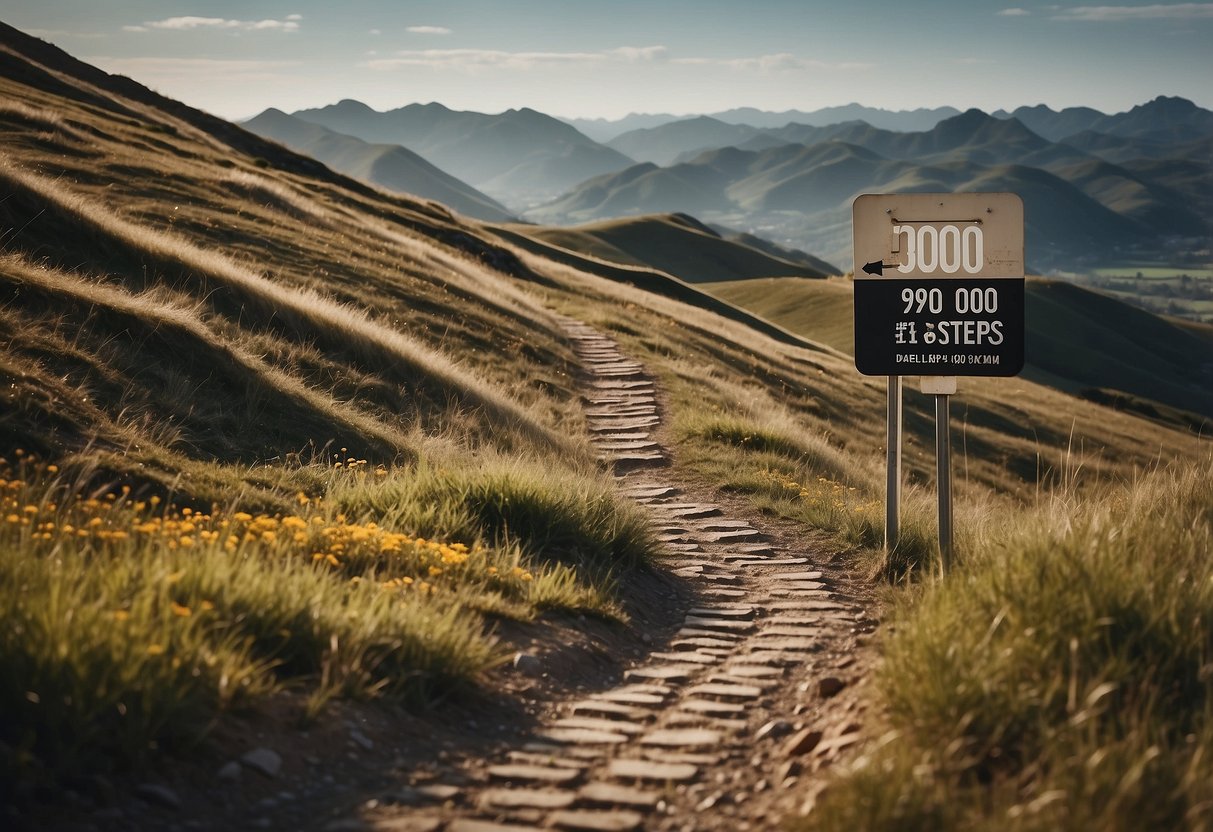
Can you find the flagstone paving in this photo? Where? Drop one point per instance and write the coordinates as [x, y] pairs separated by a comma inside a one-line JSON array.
[[661, 750]]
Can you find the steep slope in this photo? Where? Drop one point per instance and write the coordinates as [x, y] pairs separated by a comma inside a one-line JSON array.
[[118, 200], [676, 244], [389, 166], [519, 156]]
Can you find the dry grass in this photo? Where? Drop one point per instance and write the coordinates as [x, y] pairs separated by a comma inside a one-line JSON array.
[[192, 312]]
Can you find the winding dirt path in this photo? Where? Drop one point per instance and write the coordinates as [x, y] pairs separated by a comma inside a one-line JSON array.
[[727, 725]]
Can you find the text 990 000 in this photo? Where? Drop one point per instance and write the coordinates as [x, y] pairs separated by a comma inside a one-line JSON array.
[[958, 326]]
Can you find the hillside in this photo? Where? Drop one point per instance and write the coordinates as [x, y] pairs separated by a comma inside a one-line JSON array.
[[1089, 199], [386, 165], [519, 157], [678, 245], [326, 507], [665, 143], [1077, 341]]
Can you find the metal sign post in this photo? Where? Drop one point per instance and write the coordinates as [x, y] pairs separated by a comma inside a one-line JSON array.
[[892, 507], [939, 293], [942, 388]]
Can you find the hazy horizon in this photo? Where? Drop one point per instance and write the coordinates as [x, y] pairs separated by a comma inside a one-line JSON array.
[[606, 60]]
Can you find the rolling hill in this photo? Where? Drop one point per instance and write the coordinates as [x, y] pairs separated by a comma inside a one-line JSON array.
[[667, 142], [519, 157], [1077, 341], [387, 165], [680, 246]]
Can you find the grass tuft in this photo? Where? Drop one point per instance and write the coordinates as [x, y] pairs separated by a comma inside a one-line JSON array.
[[1058, 679], [132, 624]]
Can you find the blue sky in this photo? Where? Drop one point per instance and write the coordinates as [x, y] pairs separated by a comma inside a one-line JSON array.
[[579, 58]]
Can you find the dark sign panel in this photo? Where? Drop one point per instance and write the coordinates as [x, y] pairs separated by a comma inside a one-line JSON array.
[[939, 284]]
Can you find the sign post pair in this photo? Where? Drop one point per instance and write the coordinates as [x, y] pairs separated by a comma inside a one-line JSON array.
[[939, 293]]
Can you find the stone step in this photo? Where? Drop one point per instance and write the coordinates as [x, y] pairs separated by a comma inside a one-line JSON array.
[[726, 691], [664, 673], [612, 794], [591, 820], [521, 773], [632, 769], [599, 724], [683, 738], [526, 799]]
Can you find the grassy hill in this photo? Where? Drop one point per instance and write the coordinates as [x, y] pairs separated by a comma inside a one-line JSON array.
[[1077, 341], [273, 438], [678, 245]]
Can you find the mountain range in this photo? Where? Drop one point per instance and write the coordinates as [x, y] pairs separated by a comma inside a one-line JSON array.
[[1098, 188], [795, 184], [520, 157], [603, 130]]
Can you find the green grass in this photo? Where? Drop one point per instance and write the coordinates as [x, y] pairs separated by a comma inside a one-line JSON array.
[[1058, 679], [132, 624], [1149, 272], [803, 478]]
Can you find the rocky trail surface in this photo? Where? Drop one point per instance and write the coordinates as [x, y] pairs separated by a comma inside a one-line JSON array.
[[723, 727]]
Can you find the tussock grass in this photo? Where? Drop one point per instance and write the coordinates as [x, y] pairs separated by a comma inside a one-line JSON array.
[[1059, 679], [548, 513]]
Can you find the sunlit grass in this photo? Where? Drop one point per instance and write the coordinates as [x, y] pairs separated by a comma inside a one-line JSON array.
[[1058, 679], [131, 623]]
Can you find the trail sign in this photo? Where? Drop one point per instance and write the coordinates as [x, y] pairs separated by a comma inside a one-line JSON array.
[[939, 284]]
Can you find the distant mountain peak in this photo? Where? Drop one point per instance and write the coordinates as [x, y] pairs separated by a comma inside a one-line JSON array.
[[351, 105], [1170, 103]]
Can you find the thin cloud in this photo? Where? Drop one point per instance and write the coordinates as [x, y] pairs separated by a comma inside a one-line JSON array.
[[1116, 14], [638, 53], [472, 60], [190, 22], [1016, 12], [428, 30], [778, 62]]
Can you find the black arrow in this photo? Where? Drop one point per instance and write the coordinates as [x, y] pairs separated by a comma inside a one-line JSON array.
[[877, 268]]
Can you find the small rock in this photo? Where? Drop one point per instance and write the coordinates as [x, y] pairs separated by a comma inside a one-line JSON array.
[[265, 760], [829, 686], [158, 795], [230, 771], [361, 739], [528, 665], [404, 796], [774, 728], [802, 742], [345, 825]]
